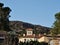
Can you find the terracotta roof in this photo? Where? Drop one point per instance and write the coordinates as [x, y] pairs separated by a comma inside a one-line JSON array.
[[32, 36], [29, 29]]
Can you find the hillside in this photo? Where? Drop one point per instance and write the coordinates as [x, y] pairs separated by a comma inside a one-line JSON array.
[[19, 26]]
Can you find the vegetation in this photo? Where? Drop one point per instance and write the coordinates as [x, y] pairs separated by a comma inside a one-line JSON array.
[[4, 17], [33, 43], [56, 26], [20, 26]]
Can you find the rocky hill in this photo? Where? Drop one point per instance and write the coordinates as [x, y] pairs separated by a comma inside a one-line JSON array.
[[19, 26]]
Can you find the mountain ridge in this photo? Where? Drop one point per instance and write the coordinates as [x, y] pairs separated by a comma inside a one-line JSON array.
[[20, 25]]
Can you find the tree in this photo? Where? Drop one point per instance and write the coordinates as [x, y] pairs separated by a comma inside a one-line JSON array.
[[1, 13], [56, 25], [4, 17]]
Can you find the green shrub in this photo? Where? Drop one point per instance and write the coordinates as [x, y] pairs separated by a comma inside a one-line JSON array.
[[33, 43]]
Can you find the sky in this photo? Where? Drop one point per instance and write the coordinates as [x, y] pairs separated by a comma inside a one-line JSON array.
[[38, 12]]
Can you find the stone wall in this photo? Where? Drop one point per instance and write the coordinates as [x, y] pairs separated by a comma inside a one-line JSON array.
[[55, 42]]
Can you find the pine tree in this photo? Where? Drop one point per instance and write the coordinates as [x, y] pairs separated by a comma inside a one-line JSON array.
[[56, 25], [4, 17]]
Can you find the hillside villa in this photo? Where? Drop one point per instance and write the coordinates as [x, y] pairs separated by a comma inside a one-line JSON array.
[[29, 36]]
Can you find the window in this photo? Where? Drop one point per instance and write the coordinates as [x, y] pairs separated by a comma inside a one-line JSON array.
[[29, 32]]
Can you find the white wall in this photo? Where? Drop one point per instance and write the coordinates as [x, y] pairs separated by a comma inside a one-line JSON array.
[[27, 39], [29, 32], [43, 39]]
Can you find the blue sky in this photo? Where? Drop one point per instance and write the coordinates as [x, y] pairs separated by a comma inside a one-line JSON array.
[[40, 12]]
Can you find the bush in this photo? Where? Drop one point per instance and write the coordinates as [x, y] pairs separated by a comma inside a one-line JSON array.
[[33, 43]]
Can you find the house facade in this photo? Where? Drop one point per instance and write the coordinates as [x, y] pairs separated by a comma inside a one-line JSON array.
[[3, 38], [6, 39], [29, 36]]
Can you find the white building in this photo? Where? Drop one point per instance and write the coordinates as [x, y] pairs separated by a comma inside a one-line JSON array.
[[30, 36]]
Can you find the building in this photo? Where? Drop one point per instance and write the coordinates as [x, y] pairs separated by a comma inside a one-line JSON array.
[[29, 36], [6, 38], [3, 38]]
